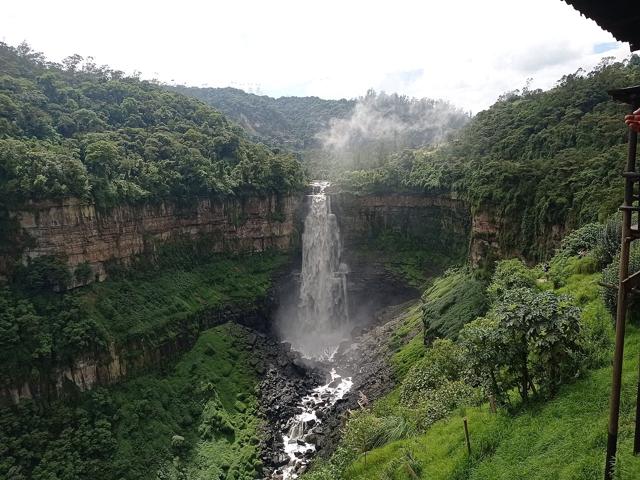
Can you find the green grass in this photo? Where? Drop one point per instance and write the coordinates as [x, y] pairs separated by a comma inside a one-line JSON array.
[[563, 439], [453, 300], [406, 353]]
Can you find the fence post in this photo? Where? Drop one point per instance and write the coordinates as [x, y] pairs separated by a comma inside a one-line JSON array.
[[466, 434]]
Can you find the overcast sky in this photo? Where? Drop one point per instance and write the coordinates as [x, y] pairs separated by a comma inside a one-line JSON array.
[[467, 51]]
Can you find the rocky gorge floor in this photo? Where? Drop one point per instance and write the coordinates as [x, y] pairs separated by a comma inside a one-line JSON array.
[[288, 378]]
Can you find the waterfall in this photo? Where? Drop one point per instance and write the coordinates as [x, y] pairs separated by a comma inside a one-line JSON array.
[[323, 314], [319, 325]]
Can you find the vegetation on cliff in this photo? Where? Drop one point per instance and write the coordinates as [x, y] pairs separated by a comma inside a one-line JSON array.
[[87, 131], [540, 352], [534, 160], [198, 420], [150, 304]]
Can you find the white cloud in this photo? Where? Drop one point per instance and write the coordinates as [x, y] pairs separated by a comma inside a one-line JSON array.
[[468, 52]]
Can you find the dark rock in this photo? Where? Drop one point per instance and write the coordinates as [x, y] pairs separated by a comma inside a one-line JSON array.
[[279, 460]]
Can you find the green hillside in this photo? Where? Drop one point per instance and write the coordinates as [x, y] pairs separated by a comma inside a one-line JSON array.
[[553, 426], [289, 122], [88, 131], [536, 159]]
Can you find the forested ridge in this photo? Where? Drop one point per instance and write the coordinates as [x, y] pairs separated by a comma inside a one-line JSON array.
[[535, 158], [332, 136], [291, 122], [82, 130]]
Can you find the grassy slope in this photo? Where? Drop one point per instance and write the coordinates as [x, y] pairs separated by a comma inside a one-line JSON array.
[[563, 439], [452, 301], [161, 298]]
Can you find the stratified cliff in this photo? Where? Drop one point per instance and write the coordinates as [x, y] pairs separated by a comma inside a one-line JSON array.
[[80, 233], [440, 221]]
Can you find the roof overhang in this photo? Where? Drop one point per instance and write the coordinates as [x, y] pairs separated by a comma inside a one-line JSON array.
[[620, 17]]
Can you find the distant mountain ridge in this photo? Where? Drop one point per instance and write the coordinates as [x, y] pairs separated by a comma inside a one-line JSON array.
[[311, 123], [289, 122]]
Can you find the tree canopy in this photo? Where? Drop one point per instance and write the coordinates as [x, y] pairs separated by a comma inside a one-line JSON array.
[[82, 130], [535, 159]]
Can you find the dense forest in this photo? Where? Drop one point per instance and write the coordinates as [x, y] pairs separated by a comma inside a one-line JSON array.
[[535, 158], [332, 136], [289, 122], [82, 130]]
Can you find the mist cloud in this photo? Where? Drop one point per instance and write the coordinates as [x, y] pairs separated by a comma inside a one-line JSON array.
[[392, 122]]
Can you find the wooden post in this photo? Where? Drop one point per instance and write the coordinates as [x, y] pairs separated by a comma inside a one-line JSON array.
[[492, 404], [466, 435], [632, 97]]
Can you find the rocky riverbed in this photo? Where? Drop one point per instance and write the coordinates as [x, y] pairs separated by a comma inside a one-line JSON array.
[[320, 394]]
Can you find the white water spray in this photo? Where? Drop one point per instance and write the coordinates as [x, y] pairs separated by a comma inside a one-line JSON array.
[[323, 313], [321, 324]]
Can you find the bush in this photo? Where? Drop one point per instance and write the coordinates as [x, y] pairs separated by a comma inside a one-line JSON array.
[[582, 240], [442, 363], [43, 274], [540, 333], [509, 275], [82, 273], [610, 238]]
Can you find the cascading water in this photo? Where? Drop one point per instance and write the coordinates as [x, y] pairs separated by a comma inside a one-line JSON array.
[[299, 440], [323, 313], [321, 324]]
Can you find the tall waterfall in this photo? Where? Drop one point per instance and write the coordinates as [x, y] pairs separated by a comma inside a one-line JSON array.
[[323, 313]]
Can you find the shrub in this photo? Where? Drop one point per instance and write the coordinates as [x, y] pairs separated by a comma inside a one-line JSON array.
[[482, 343], [43, 274], [539, 343], [443, 362], [582, 240], [509, 275], [610, 238], [83, 272]]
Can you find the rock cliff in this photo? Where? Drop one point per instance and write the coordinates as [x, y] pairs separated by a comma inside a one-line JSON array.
[[440, 221], [79, 232]]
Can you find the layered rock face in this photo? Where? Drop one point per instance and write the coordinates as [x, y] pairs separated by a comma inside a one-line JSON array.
[[440, 220], [132, 357], [81, 233], [493, 237], [440, 223]]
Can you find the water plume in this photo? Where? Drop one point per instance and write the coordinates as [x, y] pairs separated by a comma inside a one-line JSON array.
[[322, 317]]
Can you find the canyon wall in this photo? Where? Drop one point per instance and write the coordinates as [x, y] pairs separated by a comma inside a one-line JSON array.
[[81, 233], [135, 356], [440, 221]]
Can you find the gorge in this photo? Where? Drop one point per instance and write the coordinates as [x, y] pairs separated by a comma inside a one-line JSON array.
[[179, 301]]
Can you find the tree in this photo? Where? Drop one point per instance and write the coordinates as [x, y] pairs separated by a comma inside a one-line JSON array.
[[482, 342], [540, 332]]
